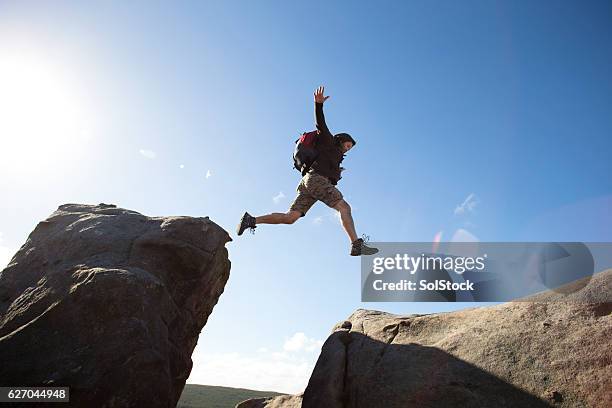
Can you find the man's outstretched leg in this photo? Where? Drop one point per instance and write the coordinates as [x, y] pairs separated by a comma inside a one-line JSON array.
[[358, 247], [279, 218], [302, 203], [248, 221]]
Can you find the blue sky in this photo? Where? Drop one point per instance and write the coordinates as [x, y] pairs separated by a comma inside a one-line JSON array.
[[480, 119]]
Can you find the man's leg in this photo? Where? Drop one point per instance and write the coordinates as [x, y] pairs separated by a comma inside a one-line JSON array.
[[347, 219], [279, 218], [358, 246], [322, 189], [299, 207], [248, 221]]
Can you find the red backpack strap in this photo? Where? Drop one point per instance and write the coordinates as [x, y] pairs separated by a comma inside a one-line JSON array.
[[309, 138]]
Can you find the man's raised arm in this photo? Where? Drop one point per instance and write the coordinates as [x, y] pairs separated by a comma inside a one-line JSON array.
[[319, 117]]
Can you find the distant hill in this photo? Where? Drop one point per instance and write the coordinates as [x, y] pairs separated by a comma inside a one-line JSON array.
[[208, 396]]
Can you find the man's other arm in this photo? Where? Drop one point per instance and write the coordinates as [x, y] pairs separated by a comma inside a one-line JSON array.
[[319, 98]]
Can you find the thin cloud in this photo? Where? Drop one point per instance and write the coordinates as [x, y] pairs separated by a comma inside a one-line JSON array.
[[467, 205], [300, 342], [149, 154], [208, 174], [318, 220], [286, 370], [278, 197], [260, 371]]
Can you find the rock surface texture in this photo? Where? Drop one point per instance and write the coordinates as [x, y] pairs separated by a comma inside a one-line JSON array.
[[282, 401], [111, 303], [541, 352]]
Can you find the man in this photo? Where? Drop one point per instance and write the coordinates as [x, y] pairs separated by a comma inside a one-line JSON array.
[[319, 184]]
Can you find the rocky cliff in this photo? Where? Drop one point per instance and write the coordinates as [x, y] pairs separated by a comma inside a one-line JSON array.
[[111, 303], [547, 350]]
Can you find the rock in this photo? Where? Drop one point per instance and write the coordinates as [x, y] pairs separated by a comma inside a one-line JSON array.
[[281, 401], [542, 351], [110, 303], [553, 396]]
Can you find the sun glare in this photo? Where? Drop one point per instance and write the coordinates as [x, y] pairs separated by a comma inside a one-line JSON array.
[[41, 118]]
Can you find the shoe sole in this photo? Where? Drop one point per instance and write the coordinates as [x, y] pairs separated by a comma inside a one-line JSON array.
[[361, 254], [239, 229], [242, 225]]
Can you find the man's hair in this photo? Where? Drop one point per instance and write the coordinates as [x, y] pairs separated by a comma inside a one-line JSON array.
[[344, 137]]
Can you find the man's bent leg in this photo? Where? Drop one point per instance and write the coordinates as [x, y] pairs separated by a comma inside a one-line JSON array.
[[347, 219], [358, 246], [279, 218], [322, 189]]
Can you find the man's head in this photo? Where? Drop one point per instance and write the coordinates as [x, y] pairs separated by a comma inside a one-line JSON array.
[[344, 141]]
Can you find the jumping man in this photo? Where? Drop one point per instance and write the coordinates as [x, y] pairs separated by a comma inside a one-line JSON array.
[[319, 184]]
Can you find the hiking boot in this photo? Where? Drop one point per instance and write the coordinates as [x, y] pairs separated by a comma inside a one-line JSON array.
[[358, 247], [247, 221]]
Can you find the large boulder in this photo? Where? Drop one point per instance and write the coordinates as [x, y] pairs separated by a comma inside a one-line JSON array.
[[110, 303], [542, 351]]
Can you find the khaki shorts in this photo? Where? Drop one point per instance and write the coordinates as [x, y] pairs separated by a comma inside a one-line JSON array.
[[312, 188]]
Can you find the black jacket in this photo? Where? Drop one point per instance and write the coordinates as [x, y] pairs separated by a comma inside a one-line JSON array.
[[330, 155]]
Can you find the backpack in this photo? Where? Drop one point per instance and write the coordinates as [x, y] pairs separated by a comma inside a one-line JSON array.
[[305, 152]]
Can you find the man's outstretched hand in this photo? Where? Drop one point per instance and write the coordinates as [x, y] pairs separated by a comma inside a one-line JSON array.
[[318, 95]]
